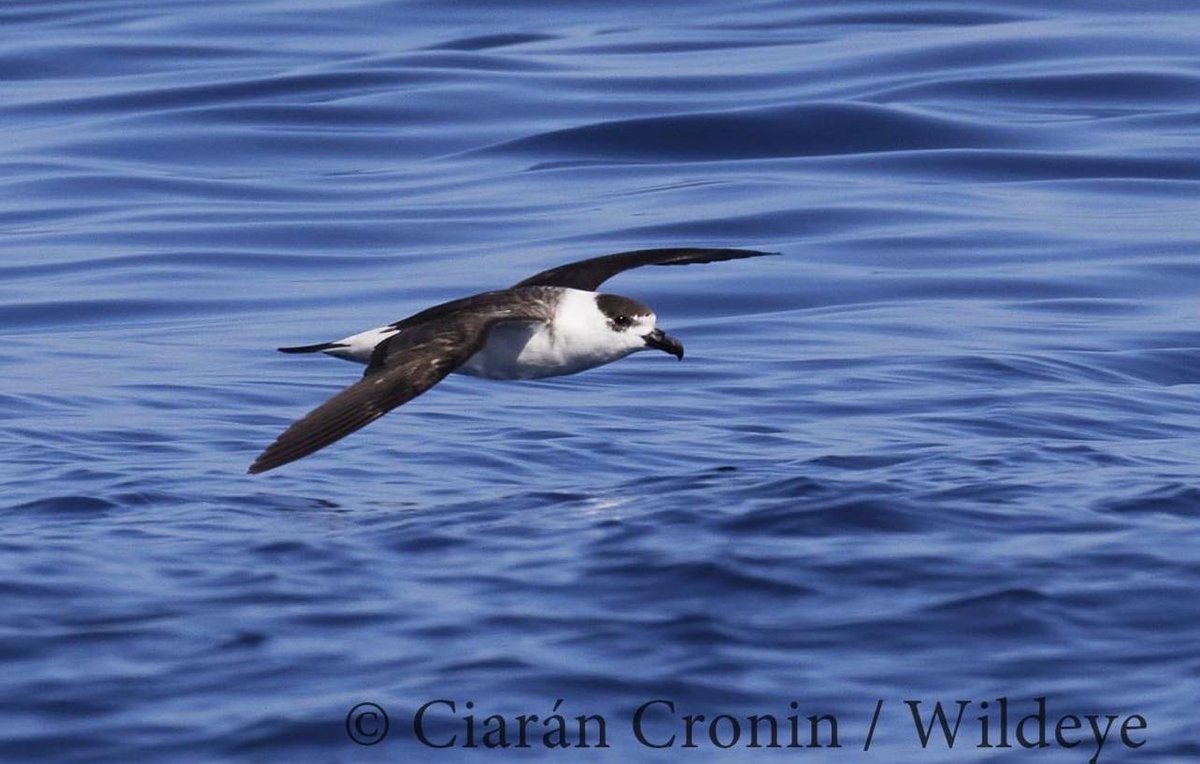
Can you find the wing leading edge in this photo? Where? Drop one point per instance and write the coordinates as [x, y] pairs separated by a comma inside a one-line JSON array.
[[403, 366], [590, 274]]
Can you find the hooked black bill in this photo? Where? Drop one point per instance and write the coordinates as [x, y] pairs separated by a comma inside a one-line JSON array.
[[660, 340]]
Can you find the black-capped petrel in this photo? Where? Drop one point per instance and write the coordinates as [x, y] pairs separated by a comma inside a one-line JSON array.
[[550, 324]]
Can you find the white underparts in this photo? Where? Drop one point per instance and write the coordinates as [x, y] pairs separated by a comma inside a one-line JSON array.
[[580, 337]]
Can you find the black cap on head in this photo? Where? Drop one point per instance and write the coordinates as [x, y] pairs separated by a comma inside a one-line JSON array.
[[620, 310]]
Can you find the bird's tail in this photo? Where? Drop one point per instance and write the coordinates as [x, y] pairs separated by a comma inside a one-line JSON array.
[[313, 348]]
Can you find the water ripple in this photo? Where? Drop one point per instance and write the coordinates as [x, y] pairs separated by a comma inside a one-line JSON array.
[[814, 129], [942, 448]]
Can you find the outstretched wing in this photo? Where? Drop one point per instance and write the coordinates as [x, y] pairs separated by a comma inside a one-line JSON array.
[[590, 274], [403, 366]]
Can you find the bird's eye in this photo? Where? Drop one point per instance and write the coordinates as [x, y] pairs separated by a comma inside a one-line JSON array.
[[622, 321]]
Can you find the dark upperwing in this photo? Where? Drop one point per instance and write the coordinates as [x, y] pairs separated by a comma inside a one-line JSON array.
[[403, 366], [590, 274], [584, 274]]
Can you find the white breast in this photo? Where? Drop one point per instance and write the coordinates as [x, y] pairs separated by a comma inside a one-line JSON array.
[[578, 338]]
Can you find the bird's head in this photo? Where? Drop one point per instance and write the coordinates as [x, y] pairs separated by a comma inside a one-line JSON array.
[[634, 326]]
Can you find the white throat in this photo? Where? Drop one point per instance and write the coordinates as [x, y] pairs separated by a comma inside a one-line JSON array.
[[579, 337]]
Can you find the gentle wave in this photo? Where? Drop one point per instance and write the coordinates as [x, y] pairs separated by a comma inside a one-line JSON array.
[[942, 448]]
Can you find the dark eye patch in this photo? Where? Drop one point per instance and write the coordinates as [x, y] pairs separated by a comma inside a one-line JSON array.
[[620, 311]]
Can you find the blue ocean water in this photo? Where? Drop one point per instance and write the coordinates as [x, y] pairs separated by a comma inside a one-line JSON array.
[[944, 449]]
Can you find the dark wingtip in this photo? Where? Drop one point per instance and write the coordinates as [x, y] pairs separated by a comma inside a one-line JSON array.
[[720, 254], [271, 458]]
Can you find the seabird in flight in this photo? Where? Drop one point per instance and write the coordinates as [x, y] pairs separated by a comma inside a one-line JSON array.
[[550, 324]]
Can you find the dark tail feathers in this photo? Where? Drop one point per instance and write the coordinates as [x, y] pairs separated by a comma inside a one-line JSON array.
[[313, 348]]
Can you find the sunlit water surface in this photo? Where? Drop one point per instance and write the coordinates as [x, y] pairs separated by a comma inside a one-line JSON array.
[[944, 448]]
